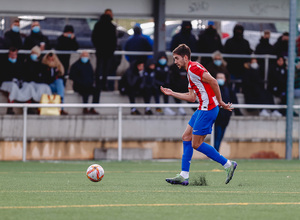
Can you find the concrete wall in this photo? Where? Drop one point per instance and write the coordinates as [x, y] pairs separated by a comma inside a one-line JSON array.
[[85, 150], [76, 136]]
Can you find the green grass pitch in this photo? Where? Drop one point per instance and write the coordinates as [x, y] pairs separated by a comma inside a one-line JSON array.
[[260, 189]]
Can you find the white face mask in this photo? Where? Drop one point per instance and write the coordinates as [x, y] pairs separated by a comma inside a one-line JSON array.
[[254, 65]]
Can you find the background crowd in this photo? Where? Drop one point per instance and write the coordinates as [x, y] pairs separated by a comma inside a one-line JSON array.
[[25, 77]]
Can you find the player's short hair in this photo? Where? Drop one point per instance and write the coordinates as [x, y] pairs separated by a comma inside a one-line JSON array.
[[182, 50]]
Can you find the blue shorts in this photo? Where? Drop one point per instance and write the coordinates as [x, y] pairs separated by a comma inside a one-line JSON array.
[[202, 121]]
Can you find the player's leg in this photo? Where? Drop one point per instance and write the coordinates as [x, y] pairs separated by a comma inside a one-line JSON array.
[[202, 127], [183, 177]]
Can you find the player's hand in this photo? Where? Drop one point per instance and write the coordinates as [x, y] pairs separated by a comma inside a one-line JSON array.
[[227, 106], [166, 91]]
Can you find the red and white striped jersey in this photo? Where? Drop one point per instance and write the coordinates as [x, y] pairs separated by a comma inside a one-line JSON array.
[[204, 92]]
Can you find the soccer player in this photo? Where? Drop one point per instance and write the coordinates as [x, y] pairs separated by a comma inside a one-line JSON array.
[[206, 88]]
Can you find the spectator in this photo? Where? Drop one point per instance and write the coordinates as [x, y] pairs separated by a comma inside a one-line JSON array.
[[178, 82], [209, 41], [104, 38], [12, 38], [137, 43], [2, 46], [36, 38], [82, 74], [53, 71], [133, 77], [148, 85], [33, 69], [12, 80], [237, 45], [185, 36], [162, 78], [253, 88], [264, 47], [281, 46], [66, 41], [219, 65], [297, 79], [277, 80], [224, 116]]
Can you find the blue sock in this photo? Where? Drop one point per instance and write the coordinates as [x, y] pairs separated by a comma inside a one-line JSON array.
[[212, 153], [187, 155]]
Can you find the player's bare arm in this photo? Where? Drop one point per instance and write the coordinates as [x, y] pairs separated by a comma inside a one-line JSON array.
[[188, 96], [207, 78]]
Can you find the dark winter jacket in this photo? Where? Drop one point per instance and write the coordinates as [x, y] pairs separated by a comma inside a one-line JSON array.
[[277, 80], [10, 71], [224, 115], [34, 71], [264, 47], [148, 78], [34, 39], [253, 88], [13, 39], [214, 69], [104, 36], [185, 36], [82, 74], [281, 47], [237, 45]]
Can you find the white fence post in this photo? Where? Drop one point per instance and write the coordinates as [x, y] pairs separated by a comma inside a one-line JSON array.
[[24, 133], [120, 134]]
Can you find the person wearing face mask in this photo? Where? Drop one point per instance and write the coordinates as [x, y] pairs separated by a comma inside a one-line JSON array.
[[12, 37], [237, 45], [36, 38], [12, 78], [254, 91], [66, 41], [162, 78], [34, 75], [82, 74], [223, 117], [219, 65]]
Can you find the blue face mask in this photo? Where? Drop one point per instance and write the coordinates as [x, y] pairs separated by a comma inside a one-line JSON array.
[[162, 61], [84, 59], [12, 60], [15, 29], [221, 82], [218, 62], [69, 35], [34, 57], [36, 29]]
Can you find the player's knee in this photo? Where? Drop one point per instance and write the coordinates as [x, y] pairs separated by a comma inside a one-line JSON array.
[[196, 145], [186, 137]]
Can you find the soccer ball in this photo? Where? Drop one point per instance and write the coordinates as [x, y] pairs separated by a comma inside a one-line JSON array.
[[95, 173]]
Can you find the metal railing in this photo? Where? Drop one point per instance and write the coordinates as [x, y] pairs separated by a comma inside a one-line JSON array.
[[120, 107], [266, 57]]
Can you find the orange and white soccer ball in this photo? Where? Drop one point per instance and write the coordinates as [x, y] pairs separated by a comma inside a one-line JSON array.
[[95, 173]]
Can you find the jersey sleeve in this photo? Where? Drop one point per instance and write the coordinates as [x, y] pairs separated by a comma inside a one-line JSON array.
[[198, 70]]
